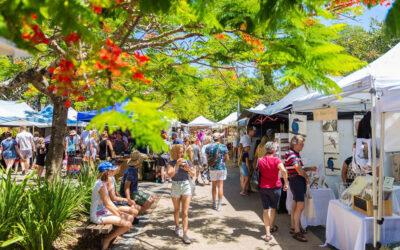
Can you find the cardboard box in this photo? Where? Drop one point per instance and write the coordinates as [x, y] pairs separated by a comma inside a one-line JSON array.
[[365, 206]]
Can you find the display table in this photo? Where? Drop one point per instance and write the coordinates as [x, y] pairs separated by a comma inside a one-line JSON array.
[[347, 229], [321, 198], [396, 200]]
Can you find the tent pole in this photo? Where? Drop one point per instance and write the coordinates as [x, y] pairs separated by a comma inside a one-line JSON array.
[[373, 149], [380, 182]]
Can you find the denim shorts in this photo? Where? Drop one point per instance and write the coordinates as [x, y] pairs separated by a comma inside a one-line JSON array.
[[298, 187], [218, 175], [180, 188], [270, 197], [243, 170]]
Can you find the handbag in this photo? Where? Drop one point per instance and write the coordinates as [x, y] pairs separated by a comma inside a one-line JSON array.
[[309, 210], [213, 161], [255, 179]]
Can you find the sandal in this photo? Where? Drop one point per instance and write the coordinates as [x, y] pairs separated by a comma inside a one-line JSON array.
[[291, 231], [267, 238], [273, 229], [299, 237]]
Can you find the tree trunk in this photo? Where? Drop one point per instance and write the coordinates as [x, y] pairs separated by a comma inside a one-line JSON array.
[[54, 157]]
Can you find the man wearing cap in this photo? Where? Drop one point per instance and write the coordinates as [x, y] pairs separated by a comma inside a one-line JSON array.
[[129, 183], [175, 139], [217, 154]]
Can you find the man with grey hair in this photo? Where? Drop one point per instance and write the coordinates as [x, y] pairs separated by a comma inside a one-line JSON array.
[[270, 186], [298, 181]]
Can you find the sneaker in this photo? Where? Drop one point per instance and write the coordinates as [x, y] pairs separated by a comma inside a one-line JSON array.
[[197, 182], [214, 205], [267, 238], [219, 208], [186, 239], [178, 231], [169, 181]]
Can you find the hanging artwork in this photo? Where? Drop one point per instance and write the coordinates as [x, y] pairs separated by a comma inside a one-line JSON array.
[[331, 142], [363, 154], [297, 125], [356, 122], [329, 126], [332, 164], [395, 159]]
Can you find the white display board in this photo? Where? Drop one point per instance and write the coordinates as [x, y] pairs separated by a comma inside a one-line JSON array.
[[313, 150]]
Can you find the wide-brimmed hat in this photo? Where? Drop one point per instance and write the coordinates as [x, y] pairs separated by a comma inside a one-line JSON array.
[[218, 135], [72, 132], [136, 158]]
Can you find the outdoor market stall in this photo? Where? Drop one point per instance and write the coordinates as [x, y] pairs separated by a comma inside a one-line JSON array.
[[13, 114], [376, 87]]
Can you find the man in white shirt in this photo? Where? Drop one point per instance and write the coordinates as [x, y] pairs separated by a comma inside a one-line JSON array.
[[85, 137], [26, 146]]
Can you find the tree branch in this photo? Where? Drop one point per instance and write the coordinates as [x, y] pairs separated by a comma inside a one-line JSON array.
[[160, 43]]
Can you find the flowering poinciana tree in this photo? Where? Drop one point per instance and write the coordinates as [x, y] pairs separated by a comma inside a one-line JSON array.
[[164, 55]]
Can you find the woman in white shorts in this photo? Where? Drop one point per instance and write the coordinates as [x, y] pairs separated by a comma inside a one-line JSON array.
[[180, 171], [217, 154], [103, 211]]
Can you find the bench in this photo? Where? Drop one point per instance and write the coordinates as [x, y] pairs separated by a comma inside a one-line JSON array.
[[94, 229]]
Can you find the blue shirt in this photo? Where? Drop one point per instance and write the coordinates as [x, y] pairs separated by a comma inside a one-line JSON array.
[[9, 148], [178, 141], [211, 151], [131, 174]]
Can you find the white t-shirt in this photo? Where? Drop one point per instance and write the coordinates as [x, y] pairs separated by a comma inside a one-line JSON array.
[[97, 208], [77, 138], [85, 136], [24, 140]]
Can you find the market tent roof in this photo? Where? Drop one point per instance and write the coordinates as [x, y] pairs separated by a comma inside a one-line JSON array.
[[231, 119], [13, 113], [88, 115], [259, 109], [8, 48], [383, 74], [201, 121], [72, 115]]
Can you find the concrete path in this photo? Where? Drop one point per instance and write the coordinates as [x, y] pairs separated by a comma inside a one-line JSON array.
[[238, 226]]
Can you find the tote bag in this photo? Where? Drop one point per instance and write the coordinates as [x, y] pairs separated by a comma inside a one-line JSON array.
[[309, 210]]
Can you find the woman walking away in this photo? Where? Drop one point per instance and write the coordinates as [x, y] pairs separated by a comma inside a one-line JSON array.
[[9, 150], [245, 170], [217, 155], [103, 211], [106, 150], [298, 181], [180, 170], [92, 149], [270, 186], [41, 152]]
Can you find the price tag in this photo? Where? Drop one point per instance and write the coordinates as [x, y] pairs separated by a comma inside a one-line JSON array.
[[388, 183]]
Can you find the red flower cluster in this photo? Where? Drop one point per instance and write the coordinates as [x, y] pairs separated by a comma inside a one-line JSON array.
[[309, 22], [220, 36], [119, 1], [256, 43], [97, 9], [341, 4], [73, 38], [141, 59], [37, 37], [140, 76], [110, 57]]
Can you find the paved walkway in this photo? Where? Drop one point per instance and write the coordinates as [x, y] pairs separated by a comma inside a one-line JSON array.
[[238, 226]]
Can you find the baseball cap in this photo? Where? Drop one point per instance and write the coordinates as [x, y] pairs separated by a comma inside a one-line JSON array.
[[174, 134], [217, 135], [72, 132], [252, 128], [105, 165]]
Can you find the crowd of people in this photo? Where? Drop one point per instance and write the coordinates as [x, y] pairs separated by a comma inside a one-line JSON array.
[[192, 159]]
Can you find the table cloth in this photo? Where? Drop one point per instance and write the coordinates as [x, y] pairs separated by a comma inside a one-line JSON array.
[[321, 198], [348, 229]]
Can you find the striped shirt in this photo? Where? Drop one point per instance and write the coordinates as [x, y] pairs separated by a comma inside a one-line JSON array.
[[292, 158]]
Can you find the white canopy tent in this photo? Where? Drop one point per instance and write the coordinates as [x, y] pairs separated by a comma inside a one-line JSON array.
[[14, 113], [8, 48], [375, 87], [201, 121], [230, 120]]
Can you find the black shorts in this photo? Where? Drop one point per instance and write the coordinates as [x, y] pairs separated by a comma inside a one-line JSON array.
[[270, 197], [298, 187]]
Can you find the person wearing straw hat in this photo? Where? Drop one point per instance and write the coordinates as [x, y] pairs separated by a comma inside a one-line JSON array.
[[129, 184], [217, 155]]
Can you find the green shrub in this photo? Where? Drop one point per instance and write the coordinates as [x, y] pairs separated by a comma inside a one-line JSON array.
[[13, 201], [51, 208], [86, 180]]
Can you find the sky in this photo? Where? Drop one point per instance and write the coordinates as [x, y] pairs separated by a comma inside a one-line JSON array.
[[378, 12]]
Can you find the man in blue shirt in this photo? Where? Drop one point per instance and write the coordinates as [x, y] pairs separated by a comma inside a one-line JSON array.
[[175, 139], [129, 183]]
